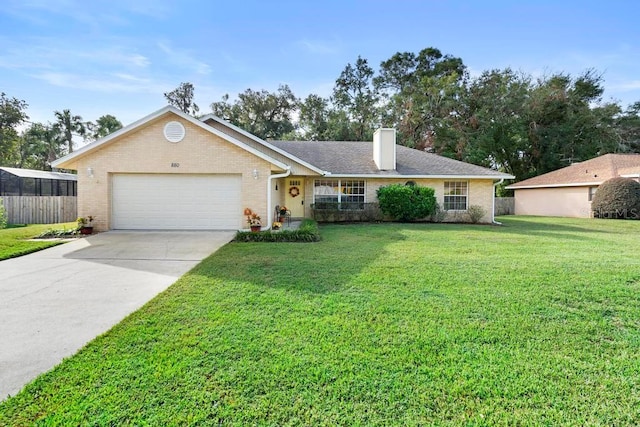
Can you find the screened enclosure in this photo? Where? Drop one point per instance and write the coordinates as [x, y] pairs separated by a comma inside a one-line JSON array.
[[27, 182]]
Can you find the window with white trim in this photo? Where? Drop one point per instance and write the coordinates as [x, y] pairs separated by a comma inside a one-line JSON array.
[[592, 192], [456, 195], [348, 192]]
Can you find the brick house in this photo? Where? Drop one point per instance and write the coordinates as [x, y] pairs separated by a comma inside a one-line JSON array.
[[172, 171]]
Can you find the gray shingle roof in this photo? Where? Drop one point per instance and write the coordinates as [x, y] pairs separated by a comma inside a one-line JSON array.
[[356, 158]]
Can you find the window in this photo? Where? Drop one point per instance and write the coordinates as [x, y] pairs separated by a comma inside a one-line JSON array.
[[349, 193], [592, 192], [455, 195]]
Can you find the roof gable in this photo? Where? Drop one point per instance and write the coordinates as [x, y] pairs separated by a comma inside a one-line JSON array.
[[590, 172], [87, 149]]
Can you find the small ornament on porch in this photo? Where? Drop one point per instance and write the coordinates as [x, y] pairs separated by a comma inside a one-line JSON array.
[[282, 213]]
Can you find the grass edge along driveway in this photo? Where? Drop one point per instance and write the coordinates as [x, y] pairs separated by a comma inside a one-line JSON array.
[[536, 322], [14, 240]]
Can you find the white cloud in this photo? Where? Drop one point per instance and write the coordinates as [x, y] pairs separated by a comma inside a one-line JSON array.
[[184, 59], [318, 47], [110, 84], [630, 85]]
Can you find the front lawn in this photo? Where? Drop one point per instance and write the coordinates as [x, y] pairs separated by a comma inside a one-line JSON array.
[[533, 323], [14, 240]]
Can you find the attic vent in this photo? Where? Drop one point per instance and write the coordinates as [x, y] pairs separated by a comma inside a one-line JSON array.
[[174, 131]]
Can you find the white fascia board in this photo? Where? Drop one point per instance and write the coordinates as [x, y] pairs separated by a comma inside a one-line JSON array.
[[494, 178], [630, 175], [261, 141], [578, 184], [92, 146]]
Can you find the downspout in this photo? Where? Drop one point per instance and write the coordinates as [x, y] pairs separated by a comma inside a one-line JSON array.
[[269, 187], [493, 208]]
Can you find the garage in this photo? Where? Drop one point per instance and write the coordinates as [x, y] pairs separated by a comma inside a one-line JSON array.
[[176, 202]]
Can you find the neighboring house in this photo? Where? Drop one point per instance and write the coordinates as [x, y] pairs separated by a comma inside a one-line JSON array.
[[569, 191], [172, 171]]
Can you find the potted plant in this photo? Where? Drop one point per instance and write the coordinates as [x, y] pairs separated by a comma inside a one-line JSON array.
[[85, 225], [283, 213], [254, 220], [276, 225]]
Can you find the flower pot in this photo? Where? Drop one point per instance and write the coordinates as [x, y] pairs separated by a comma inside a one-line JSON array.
[[255, 228], [86, 230], [281, 219]]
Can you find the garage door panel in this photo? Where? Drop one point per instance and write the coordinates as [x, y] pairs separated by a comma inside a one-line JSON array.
[[176, 201]]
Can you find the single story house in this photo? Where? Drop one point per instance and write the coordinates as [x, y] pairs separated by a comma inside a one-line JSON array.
[[569, 191], [169, 170], [29, 182]]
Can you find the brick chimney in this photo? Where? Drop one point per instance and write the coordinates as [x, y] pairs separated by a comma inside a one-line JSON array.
[[384, 148]]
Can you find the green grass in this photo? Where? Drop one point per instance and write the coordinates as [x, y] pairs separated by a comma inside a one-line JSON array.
[[14, 239], [533, 323]]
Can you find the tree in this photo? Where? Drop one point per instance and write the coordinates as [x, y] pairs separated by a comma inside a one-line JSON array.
[[568, 123], [69, 125], [355, 95], [182, 99], [39, 145], [495, 126], [104, 126], [265, 114], [423, 96], [12, 114], [628, 127], [314, 118]]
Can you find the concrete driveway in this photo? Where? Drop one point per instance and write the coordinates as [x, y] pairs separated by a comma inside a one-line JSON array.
[[54, 301]]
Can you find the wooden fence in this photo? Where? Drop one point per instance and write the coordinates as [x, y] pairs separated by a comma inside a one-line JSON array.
[[40, 209], [505, 206]]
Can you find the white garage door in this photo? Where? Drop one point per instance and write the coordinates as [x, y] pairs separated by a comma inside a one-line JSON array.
[[175, 202]]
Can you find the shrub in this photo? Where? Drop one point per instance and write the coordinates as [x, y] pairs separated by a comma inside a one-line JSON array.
[[3, 216], [476, 213], [407, 202], [58, 233], [308, 232], [617, 198], [346, 212], [438, 214]]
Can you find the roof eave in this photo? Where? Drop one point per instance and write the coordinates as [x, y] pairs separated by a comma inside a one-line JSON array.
[[458, 176], [576, 184]]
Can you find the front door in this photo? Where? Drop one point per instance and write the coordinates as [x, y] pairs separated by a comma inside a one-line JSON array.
[[294, 198]]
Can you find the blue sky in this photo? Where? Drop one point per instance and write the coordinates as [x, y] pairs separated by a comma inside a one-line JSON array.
[[118, 57]]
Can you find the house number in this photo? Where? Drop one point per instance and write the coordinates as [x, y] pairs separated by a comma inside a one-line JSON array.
[[175, 165]]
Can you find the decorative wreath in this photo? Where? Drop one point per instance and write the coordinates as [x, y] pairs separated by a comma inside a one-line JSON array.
[[294, 191]]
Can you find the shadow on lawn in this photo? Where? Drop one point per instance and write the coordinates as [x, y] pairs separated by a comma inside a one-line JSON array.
[[537, 227], [318, 268]]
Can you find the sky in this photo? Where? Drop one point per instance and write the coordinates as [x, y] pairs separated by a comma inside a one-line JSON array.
[[118, 57]]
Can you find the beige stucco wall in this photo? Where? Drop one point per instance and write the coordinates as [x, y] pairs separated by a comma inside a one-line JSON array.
[[147, 151], [480, 193], [560, 201]]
